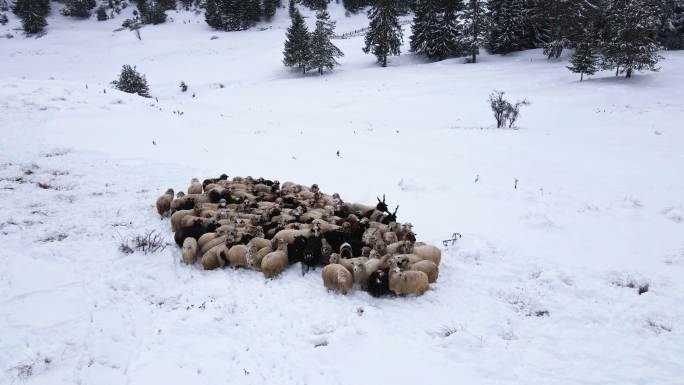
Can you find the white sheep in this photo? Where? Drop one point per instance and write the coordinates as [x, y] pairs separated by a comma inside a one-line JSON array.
[[337, 277], [164, 202], [428, 252], [177, 218], [189, 250], [407, 282]]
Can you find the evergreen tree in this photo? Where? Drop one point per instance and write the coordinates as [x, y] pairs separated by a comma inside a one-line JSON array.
[[630, 37], [167, 5], [101, 13], [269, 7], [584, 60], [77, 8], [323, 51], [212, 15], [450, 33], [560, 24], [474, 25], [384, 36], [186, 4], [132, 82], [3, 19], [291, 8], [143, 9], [32, 14], [671, 31], [297, 50], [315, 4], [354, 6], [509, 28], [155, 14], [425, 23]]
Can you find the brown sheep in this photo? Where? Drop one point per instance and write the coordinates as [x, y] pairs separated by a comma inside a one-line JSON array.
[[237, 256], [195, 187], [177, 218], [212, 258], [164, 203], [337, 277], [275, 262]]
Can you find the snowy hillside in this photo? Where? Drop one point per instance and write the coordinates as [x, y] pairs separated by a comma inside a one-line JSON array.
[[542, 288]]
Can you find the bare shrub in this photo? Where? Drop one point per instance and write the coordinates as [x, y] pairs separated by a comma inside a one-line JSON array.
[[505, 113], [147, 243]]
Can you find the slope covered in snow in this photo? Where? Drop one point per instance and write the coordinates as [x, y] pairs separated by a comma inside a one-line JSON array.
[[536, 291]]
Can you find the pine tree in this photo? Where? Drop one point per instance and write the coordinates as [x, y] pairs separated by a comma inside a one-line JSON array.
[[671, 31], [291, 8], [101, 13], [297, 50], [77, 8], [269, 7], [509, 27], [132, 82], [450, 33], [323, 51], [32, 14], [560, 24], [316, 5], [384, 36], [584, 60], [424, 24], [630, 37], [3, 19], [167, 5], [155, 14], [474, 25], [212, 15]]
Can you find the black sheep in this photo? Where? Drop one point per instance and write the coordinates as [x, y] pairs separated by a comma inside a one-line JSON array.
[[378, 283], [312, 254], [295, 250]]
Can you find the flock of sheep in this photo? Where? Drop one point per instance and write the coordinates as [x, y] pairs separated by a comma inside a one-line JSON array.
[[265, 226]]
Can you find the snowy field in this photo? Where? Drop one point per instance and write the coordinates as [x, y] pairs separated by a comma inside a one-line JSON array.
[[543, 287]]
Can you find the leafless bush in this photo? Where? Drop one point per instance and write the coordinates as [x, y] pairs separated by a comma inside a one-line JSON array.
[[147, 243], [505, 113]]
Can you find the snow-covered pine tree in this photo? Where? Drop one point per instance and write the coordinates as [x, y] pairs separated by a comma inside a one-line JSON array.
[[450, 32], [509, 28], [315, 4], [297, 52], [425, 23], [212, 15], [671, 32], [291, 8], [630, 37], [101, 13], [77, 8], [167, 5], [584, 60], [270, 7], [32, 14], [156, 14], [354, 6], [384, 36], [474, 27], [560, 24], [132, 82], [323, 51]]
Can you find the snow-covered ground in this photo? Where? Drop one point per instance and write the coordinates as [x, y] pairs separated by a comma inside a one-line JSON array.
[[536, 292]]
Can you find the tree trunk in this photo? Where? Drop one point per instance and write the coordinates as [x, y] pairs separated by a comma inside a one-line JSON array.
[[581, 76], [629, 73], [617, 71], [384, 61]]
